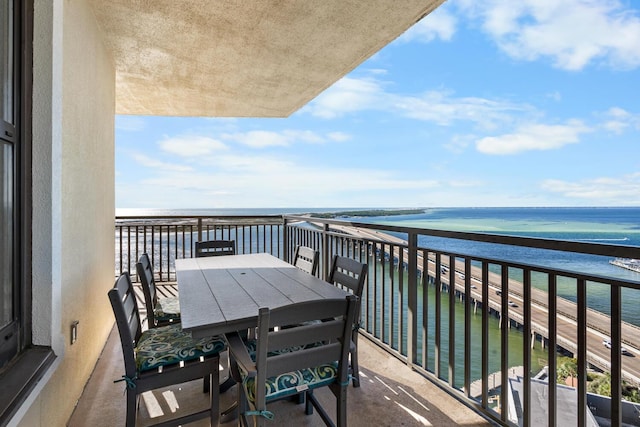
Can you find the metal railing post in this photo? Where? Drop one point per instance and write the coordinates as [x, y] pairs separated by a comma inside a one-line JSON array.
[[412, 316], [325, 251], [285, 238]]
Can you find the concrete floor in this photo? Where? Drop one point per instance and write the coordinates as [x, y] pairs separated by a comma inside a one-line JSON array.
[[391, 394]]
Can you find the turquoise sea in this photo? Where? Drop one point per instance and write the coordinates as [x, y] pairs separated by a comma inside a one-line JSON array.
[[616, 226], [610, 225]]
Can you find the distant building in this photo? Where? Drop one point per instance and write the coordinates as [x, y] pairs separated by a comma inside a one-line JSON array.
[[598, 407], [567, 400]]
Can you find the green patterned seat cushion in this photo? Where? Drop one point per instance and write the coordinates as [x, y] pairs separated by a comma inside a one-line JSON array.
[[167, 309], [294, 382], [252, 347], [168, 345]]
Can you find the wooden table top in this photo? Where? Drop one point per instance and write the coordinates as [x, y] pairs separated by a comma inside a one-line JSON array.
[[223, 294]]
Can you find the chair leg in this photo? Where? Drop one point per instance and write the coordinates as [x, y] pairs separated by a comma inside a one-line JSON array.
[[206, 384], [242, 406], [298, 398], [308, 406], [214, 394], [355, 370], [132, 400], [341, 404]]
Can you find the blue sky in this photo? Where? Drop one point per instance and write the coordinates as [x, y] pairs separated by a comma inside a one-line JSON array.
[[492, 103]]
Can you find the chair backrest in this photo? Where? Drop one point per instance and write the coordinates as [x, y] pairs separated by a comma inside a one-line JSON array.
[[145, 273], [316, 343], [215, 248], [348, 274], [306, 259], [125, 309]]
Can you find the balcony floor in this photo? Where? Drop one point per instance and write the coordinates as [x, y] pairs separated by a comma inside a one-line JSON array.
[[391, 394]]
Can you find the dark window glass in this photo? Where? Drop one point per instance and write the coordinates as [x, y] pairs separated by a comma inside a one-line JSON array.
[[7, 53], [6, 233], [9, 259]]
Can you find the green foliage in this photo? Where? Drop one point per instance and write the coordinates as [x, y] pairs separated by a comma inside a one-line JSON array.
[[601, 384], [567, 367], [631, 395]]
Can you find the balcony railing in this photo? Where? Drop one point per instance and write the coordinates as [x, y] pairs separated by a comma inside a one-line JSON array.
[[424, 304], [166, 239]]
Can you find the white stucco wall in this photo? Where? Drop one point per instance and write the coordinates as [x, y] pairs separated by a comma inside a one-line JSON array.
[[74, 201]]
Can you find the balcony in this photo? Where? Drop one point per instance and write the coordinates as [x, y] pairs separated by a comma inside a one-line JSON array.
[[425, 319], [390, 394]]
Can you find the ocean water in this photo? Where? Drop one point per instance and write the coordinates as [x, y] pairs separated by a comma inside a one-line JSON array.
[[616, 226], [619, 226], [610, 225]]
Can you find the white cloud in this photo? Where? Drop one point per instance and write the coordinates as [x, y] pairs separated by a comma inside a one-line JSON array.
[[533, 137], [617, 120], [378, 71], [260, 139], [572, 33], [350, 95], [192, 146], [443, 109], [465, 183], [285, 138], [347, 95], [240, 181], [459, 143], [439, 24], [620, 191], [556, 96], [338, 136], [149, 162]]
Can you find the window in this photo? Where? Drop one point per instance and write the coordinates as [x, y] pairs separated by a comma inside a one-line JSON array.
[[22, 365], [10, 312]]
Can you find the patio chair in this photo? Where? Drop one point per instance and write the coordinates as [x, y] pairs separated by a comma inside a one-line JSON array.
[[215, 248], [283, 363], [350, 275], [306, 259], [162, 356], [160, 311]]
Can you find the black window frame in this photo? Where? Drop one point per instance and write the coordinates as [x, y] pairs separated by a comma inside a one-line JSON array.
[[19, 377], [11, 342]]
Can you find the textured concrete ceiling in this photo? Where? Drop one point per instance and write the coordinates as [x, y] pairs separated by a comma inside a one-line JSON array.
[[242, 58]]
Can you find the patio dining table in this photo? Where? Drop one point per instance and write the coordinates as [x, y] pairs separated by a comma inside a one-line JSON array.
[[223, 294]]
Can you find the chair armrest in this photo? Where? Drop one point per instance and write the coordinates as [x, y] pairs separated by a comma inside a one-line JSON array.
[[238, 351]]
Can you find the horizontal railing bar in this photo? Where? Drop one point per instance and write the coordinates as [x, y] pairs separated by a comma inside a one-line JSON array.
[[621, 251], [520, 265], [224, 217]]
